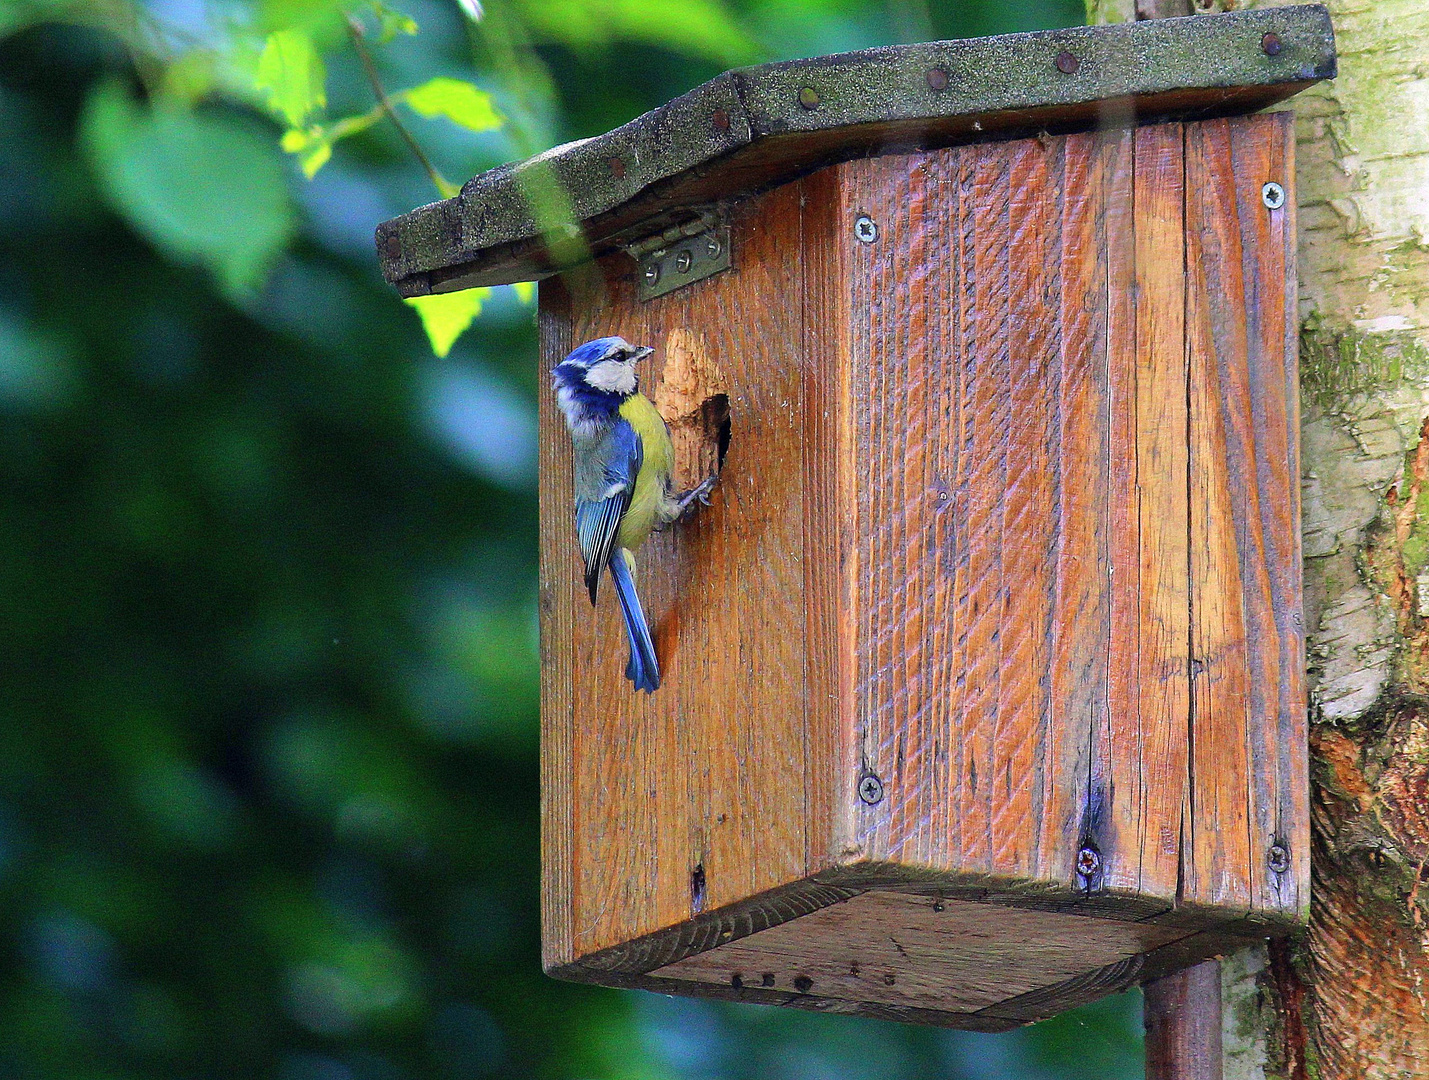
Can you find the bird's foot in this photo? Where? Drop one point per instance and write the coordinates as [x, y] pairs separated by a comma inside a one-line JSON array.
[[700, 493]]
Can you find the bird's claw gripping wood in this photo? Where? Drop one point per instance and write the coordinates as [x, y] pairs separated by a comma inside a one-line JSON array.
[[700, 493]]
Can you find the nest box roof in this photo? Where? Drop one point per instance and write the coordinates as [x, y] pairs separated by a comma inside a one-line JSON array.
[[755, 127]]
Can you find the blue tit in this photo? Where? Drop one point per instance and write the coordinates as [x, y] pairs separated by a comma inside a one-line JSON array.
[[623, 463]]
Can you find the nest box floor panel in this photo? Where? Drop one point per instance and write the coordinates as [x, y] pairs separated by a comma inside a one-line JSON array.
[[893, 948]]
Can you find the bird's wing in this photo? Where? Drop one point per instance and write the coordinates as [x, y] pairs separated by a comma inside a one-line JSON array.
[[598, 520]]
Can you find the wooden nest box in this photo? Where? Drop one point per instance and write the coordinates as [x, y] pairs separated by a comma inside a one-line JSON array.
[[983, 673]]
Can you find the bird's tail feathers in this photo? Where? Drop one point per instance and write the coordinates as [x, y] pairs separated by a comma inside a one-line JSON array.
[[643, 669]]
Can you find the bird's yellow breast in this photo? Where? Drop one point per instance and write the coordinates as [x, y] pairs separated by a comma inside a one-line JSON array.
[[652, 483]]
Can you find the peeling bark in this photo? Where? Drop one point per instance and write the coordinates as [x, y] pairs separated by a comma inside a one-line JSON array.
[[1352, 999]]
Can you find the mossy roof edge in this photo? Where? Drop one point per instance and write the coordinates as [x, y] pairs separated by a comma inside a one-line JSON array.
[[752, 127]]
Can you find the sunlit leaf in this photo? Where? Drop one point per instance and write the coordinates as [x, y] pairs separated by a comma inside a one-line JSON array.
[[525, 291], [391, 22], [457, 100], [695, 27], [205, 187], [471, 9], [312, 147], [445, 316], [291, 73]]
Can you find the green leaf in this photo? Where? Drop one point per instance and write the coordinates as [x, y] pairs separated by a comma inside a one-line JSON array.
[[694, 27], [457, 100], [204, 187], [291, 73], [525, 291], [312, 147], [445, 316], [392, 22]]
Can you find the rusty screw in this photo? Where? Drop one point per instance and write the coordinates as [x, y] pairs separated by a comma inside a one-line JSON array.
[[721, 120], [937, 79], [1273, 195], [1067, 64], [617, 168], [865, 229], [809, 98], [1278, 859], [1089, 861], [870, 789], [1270, 44]]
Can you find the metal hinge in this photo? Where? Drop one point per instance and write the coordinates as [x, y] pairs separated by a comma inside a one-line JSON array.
[[681, 255]]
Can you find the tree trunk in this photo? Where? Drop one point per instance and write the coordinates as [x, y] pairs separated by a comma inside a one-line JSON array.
[[1351, 1000]]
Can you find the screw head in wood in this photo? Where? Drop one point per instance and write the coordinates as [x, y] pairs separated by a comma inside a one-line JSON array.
[[870, 789], [1278, 858], [720, 120], [865, 229], [617, 167], [1067, 64], [937, 79], [1273, 195], [1089, 861], [1270, 44], [712, 247], [809, 98], [683, 261]]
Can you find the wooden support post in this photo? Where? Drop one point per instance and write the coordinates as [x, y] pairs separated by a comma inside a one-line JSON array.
[[1183, 1024]]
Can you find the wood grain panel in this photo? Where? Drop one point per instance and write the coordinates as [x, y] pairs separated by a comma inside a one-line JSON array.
[[1162, 480], [556, 594], [905, 390], [698, 796], [1081, 593], [1249, 736], [899, 949], [830, 484], [1022, 598], [1117, 797]]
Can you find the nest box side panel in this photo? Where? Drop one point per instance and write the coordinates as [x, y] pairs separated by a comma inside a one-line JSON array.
[[661, 808], [1022, 610], [1250, 840], [1076, 608]]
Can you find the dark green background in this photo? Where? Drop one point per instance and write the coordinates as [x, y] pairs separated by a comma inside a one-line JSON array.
[[268, 783]]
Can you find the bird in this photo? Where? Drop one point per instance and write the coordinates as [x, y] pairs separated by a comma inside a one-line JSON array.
[[623, 464]]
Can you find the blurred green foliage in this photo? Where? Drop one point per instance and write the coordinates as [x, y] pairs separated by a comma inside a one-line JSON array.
[[268, 786]]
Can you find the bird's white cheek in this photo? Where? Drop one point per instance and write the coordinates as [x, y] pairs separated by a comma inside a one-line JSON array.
[[613, 377]]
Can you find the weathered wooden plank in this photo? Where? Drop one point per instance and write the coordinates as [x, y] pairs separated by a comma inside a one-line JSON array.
[[1082, 592], [830, 487], [1249, 735], [678, 790], [1161, 474], [556, 604], [1032, 509], [1226, 690], [750, 128], [1117, 796], [905, 390], [916, 951]]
